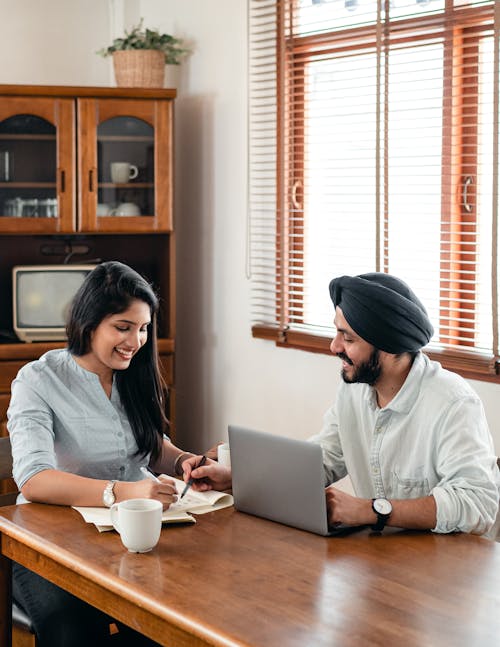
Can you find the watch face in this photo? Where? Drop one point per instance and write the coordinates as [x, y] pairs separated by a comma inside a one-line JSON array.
[[382, 506], [108, 496]]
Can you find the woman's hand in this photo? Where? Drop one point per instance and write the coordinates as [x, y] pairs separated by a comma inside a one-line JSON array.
[[162, 490], [211, 476]]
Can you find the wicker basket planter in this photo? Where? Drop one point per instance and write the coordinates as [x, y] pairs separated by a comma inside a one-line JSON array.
[[139, 68]]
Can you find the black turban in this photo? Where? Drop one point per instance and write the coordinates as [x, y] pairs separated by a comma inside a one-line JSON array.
[[383, 311]]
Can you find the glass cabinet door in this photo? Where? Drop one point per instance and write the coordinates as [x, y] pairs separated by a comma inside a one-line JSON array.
[[125, 167], [121, 162], [36, 176]]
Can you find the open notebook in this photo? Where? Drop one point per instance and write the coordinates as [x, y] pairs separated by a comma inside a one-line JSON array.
[[179, 512]]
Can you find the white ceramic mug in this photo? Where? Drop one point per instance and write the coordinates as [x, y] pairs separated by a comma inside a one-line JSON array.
[[126, 209], [224, 455], [139, 523], [103, 209], [122, 172]]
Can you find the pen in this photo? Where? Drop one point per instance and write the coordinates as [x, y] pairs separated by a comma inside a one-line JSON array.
[[191, 480], [149, 474]]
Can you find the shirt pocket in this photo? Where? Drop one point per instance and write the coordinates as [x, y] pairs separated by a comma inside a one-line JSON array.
[[409, 488]]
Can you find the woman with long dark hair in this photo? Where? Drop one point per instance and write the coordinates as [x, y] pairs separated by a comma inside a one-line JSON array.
[[84, 421]]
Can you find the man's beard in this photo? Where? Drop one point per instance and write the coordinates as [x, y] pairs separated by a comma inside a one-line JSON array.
[[367, 373]]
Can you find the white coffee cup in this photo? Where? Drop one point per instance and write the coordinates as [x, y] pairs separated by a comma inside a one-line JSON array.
[[122, 172], [126, 209], [103, 209], [224, 455], [139, 523]]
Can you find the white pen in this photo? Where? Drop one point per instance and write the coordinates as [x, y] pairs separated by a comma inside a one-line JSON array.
[[149, 474]]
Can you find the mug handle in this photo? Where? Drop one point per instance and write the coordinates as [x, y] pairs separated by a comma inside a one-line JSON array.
[[134, 172]]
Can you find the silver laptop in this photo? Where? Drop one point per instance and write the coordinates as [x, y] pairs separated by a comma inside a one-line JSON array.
[[281, 479]]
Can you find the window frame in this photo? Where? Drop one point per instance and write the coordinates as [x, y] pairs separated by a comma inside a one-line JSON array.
[[292, 57]]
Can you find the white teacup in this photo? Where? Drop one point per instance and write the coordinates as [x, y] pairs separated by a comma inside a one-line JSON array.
[[224, 455], [122, 172], [126, 209], [103, 209], [139, 523]]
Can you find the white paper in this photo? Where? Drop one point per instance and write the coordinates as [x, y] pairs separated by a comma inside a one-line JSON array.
[[200, 502]]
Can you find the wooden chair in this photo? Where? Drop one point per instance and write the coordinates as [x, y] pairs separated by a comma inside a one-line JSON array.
[[22, 629]]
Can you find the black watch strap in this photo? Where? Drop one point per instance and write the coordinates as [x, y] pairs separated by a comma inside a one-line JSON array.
[[380, 523], [382, 518]]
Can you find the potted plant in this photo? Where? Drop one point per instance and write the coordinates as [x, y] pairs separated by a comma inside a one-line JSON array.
[[139, 58]]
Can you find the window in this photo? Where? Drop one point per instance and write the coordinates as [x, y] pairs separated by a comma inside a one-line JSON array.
[[374, 147]]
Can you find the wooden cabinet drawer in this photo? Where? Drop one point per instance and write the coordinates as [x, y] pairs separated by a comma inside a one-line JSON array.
[[8, 371], [4, 405], [167, 368]]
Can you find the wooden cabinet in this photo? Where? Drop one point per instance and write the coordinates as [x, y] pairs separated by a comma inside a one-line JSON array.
[[57, 149], [85, 176]]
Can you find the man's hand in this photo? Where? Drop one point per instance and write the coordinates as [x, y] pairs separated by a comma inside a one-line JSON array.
[[348, 509], [211, 476]]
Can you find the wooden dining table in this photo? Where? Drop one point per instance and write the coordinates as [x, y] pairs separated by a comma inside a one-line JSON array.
[[233, 579]]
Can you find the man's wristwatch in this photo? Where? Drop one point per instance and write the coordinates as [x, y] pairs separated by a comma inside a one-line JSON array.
[[383, 509], [108, 496]]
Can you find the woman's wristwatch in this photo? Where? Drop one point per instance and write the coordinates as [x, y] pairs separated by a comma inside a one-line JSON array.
[[108, 496]]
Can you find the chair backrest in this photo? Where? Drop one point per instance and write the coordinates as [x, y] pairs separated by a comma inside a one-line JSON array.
[[6, 470]]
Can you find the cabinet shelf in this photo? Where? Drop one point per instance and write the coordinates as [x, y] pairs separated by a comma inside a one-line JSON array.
[[26, 137], [27, 185], [125, 138], [126, 185]]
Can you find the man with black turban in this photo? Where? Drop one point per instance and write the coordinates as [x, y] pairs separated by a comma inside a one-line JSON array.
[[412, 437]]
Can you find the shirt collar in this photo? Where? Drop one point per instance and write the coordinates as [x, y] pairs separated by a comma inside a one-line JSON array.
[[408, 393]]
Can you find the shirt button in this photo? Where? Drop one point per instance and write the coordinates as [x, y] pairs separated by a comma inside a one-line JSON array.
[[120, 434], [122, 468], [122, 452]]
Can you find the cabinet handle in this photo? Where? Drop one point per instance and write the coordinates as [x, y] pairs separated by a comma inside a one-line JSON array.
[[91, 180], [62, 181]]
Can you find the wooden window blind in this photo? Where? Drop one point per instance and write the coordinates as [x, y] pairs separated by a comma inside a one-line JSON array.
[[373, 144]]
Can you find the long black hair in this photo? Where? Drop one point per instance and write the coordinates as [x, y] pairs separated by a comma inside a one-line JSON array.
[[109, 289]]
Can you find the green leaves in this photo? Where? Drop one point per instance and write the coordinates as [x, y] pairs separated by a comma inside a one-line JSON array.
[[139, 38]]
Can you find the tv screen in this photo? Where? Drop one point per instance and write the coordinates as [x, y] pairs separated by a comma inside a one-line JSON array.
[[41, 298]]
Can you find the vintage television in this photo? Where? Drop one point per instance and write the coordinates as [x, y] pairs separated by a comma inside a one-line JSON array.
[[41, 296]]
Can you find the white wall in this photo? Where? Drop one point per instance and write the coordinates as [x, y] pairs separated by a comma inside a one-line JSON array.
[[223, 375], [53, 42]]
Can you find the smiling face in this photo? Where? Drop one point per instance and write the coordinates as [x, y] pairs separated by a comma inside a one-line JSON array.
[[117, 339], [360, 360]]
